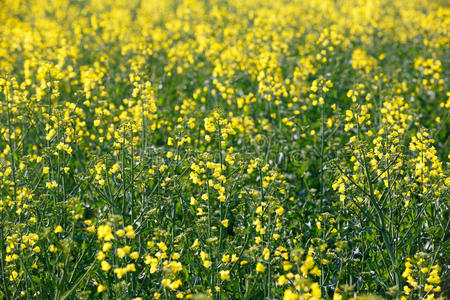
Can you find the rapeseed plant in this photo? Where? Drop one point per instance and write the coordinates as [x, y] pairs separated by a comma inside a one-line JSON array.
[[224, 149]]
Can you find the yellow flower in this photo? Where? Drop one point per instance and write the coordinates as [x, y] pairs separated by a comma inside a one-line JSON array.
[[225, 223], [106, 247], [287, 265], [207, 264], [407, 290], [316, 271], [434, 277], [280, 211], [51, 185], [105, 266], [131, 268], [225, 275], [101, 255], [266, 253], [121, 252], [134, 255], [131, 234], [260, 268], [319, 225], [289, 295], [105, 232], [195, 244], [315, 290], [282, 280], [13, 276], [166, 282], [337, 296], [153, 262], [101, 288], [120, 272], [50, 134], [114, 168], [175, 266], [162, 246]]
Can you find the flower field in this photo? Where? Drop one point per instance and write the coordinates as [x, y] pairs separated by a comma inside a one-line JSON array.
[[224, 149]]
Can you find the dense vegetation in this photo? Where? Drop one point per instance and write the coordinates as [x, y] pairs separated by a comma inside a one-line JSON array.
[[224, 149]]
